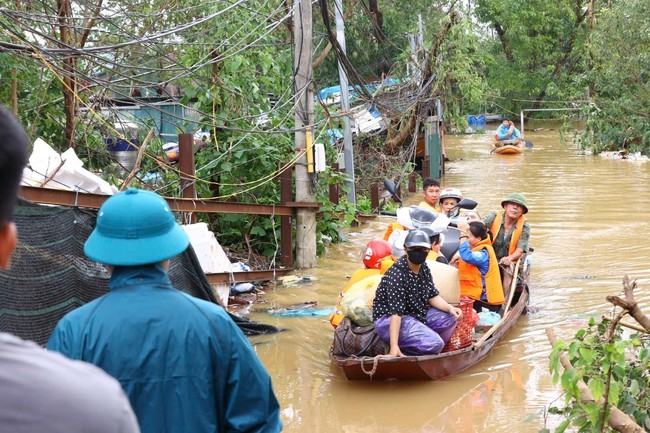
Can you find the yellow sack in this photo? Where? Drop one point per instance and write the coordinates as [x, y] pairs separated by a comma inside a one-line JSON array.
[[445, 278], [357, 303]]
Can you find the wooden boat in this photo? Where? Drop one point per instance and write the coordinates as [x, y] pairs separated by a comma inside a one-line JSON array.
[[435, 367], [508, 147]]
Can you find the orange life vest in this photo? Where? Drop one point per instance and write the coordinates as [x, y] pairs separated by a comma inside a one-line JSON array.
[[471, 283], [392, 227], [336, 317], [519, 228]]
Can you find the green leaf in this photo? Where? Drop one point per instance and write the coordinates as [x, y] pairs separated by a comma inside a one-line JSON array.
[[567, 379], [593, 411], [562, 427], [597, 388], [587, 355], [615, 389], [259, 231], [619, 371], [574, 346]]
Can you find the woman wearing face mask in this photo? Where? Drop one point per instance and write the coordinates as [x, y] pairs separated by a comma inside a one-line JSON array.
[[478, 268], [408, 311]]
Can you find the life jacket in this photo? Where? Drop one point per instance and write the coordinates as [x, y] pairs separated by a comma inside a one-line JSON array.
[[386, 263], [433, 255], [391, 228], [424, 205], [336, 317], [514, 240], [471, 280]]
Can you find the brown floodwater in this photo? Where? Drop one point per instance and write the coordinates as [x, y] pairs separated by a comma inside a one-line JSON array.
[[589, 227]]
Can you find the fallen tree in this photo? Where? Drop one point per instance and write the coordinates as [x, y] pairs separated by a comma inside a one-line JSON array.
[[605, 370]]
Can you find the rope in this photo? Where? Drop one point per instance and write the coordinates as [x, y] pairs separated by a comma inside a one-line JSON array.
[[375, 363]]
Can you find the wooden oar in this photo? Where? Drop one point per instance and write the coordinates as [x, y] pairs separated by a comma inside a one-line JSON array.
[[496, 326]]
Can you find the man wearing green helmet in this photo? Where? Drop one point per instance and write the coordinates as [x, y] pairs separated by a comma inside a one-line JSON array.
[[509, 229], [184, 364], [43, 391]]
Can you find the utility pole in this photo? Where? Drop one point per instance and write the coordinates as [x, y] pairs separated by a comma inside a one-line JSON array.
[[348, 153], [303, 115]]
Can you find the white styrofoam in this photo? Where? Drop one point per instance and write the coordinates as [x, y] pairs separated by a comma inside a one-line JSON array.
[[212, 257], [45, 163]]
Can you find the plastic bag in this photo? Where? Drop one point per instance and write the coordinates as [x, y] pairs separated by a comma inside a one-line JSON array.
[[488, 318], [357, 303], [417, 338]]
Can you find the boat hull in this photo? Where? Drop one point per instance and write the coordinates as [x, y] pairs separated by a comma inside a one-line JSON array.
[[508, 149], [429, 367]]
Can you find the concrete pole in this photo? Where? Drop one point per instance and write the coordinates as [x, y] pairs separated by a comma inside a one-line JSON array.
[[303, 115], [348, 153]]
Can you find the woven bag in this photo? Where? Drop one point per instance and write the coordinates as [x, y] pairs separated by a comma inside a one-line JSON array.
[[351, 339]]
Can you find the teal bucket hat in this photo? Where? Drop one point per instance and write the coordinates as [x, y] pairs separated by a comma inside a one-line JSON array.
[[135, 227], [518, 198]]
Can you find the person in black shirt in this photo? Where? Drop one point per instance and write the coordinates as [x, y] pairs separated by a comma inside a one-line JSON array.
[[408, 312]]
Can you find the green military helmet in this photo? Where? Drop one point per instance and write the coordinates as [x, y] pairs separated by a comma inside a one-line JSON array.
[[135, 227], [517, 198]]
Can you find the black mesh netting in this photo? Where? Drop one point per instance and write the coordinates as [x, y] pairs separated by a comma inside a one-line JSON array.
[[50, 275]]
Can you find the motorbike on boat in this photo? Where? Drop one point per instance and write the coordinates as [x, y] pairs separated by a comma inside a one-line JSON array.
[[415, 217]]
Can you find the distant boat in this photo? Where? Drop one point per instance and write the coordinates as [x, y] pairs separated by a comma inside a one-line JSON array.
[[508, 147]]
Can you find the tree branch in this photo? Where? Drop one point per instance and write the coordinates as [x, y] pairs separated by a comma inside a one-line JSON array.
[[504, 42], [405, 131], [630, 304], [618, 420], [321, 57], [138, 161]]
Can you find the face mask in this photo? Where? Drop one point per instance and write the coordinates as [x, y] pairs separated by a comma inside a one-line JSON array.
[[417, 257]]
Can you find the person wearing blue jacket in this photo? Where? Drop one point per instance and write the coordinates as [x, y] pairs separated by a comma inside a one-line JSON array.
[[507, 131], [184, 364]]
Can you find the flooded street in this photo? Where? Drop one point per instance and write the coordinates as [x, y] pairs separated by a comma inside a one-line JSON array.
[[588, 228]]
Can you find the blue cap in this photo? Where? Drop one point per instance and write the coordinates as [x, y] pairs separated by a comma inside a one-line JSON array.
[[135, 227]]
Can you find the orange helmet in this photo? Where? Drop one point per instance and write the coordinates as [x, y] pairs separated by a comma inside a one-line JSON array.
[[376, 250]]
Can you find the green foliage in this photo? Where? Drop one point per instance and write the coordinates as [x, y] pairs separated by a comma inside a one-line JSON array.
[[620, 115], [616, 369], [459, 74], [371, 56], [537, 52], [40, 107]]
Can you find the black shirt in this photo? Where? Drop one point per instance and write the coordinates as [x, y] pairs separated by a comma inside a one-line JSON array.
[[404, 293]]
